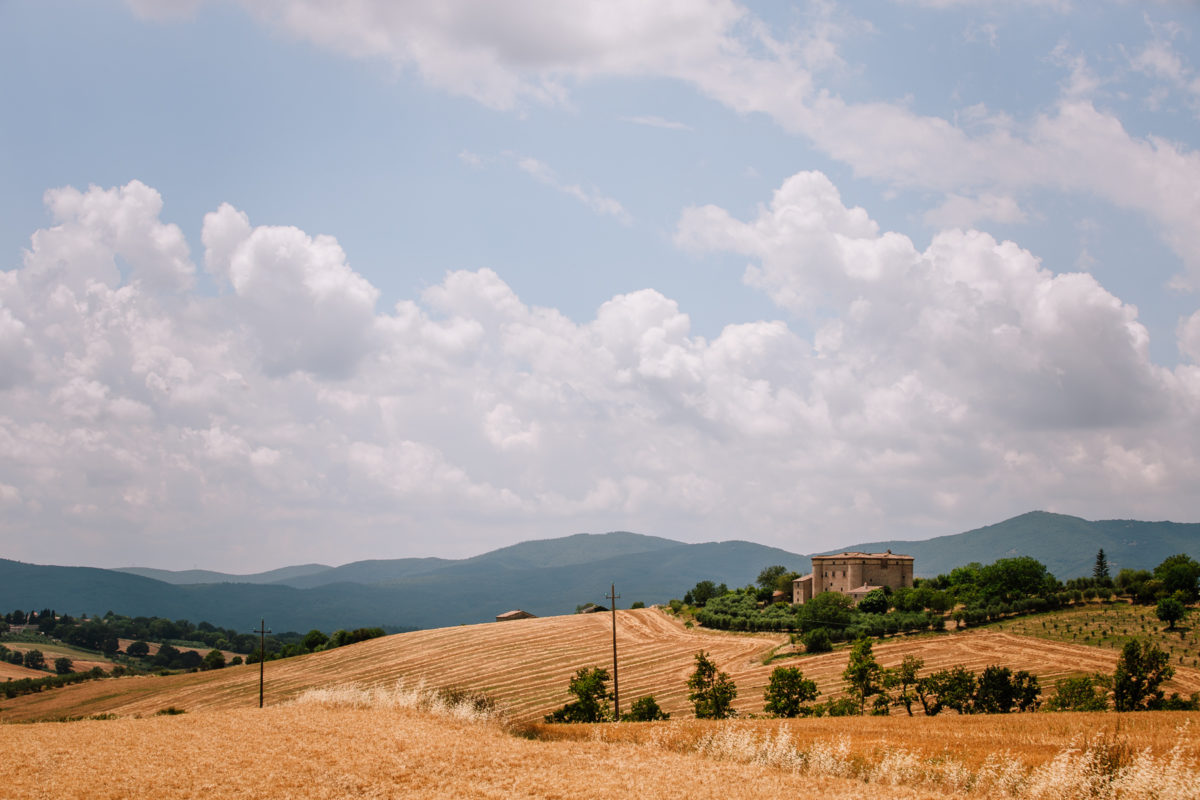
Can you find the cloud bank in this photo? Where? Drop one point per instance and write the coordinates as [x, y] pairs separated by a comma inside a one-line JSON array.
[[286, 417]]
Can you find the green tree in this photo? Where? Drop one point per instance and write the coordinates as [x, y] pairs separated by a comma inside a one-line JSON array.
[[1000, 691], [712, 692], [1180, 573], [215, 659], [591, 698], [906, 678], [1141, 670], [863, 675], [828, 609], [817, 641], [1170, 611], [704, 591], [947, 688], [1008, 579], [768, 579], [644, 709], [1100, 570], [787, 691], [874, 602], [34, 659], [137, 649], [314, 640], [63, 666], [1085, 693]]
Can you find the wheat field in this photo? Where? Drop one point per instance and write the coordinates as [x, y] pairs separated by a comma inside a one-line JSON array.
[[347, 742], [525, 665]]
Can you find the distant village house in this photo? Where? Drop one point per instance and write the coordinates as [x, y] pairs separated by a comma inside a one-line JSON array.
[[514, 614], [854, 575]]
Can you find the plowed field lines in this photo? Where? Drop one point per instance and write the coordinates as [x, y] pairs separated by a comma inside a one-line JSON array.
[[526, 664]]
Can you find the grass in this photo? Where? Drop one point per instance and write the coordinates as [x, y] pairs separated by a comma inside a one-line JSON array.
[[1111, 625]]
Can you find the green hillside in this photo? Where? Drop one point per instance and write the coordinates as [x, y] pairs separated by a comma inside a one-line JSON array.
[[1066, 545], [531, 576]]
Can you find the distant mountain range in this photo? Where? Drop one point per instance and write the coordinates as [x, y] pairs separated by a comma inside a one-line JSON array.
[[1066, 545], [545, 577]]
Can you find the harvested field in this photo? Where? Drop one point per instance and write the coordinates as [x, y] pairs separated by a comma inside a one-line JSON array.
[[81, 660], [317, 752], [13, 671], [330, 746], [1031, 739], [525, 665]]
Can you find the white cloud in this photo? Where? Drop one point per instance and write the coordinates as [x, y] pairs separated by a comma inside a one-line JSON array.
[[963, 212], [942, 388], [510, 55], [658, 122], [1188, 336], [308, 309], [597, 202]]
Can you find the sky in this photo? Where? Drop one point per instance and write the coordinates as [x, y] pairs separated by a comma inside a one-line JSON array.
[[314, 281]]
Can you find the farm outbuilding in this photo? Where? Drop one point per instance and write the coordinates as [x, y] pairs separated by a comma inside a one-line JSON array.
[[516, 613]]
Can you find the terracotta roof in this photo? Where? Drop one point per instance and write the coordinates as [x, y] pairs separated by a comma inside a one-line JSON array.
[[515, 613], [856, 554]]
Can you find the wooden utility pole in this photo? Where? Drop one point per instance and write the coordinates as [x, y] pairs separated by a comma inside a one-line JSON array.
[[613, 597], [262, 657]]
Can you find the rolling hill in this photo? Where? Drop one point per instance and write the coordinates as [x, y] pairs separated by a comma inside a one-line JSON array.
[[540, 577], [545, 577], [1066, 545], [525, 665]]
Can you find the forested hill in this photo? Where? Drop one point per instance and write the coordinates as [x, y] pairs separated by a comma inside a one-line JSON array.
[[547, 577], [544, 578], [1066, 545]]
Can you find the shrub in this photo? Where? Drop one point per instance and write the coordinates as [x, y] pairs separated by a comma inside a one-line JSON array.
[[1085, 693], [644, 709], [591, 698], [817, 641]]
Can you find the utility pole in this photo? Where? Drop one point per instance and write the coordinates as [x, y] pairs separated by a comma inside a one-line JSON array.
[[262, 657], [612, 596]]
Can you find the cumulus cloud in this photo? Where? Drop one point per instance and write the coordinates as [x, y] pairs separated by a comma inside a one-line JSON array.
[[941, 387], [308, 309], [973, 319]]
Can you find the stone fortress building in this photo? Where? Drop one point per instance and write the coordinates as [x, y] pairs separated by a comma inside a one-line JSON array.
[[853, 574]]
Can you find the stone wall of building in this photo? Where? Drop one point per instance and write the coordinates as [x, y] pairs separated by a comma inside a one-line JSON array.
[[846, 572]]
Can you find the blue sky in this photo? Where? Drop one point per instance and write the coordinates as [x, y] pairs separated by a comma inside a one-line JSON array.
[[322, 280]]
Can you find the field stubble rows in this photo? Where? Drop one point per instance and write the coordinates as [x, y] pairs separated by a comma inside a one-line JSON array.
[[525, 666]]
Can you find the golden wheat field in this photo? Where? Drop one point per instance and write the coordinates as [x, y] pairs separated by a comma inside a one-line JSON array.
[[391, 743], [525, 665]]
